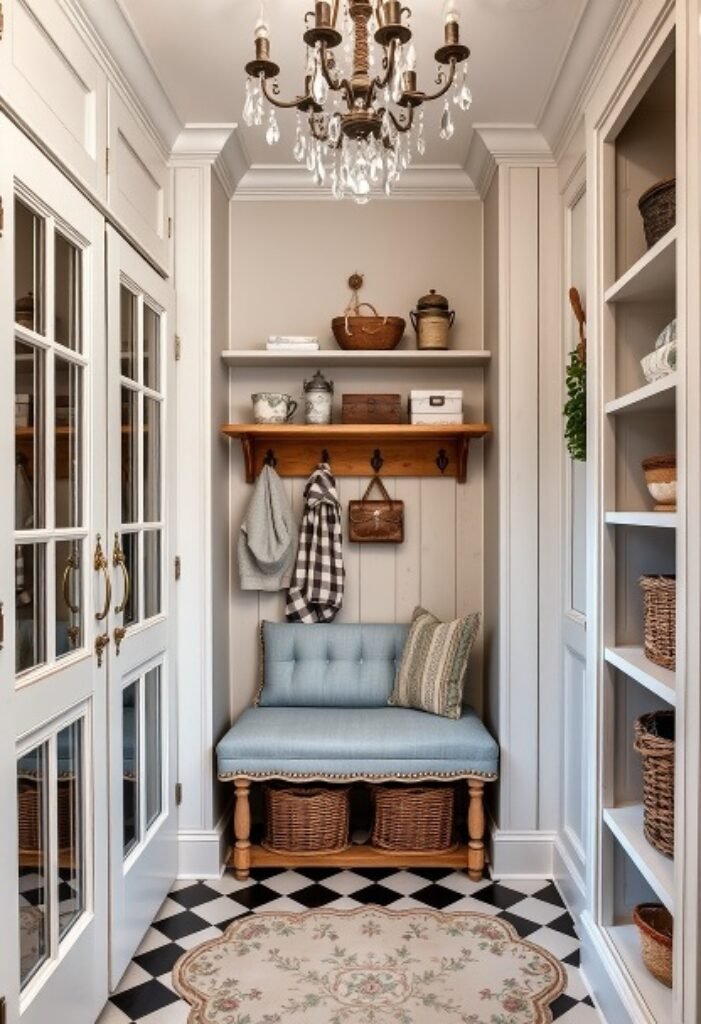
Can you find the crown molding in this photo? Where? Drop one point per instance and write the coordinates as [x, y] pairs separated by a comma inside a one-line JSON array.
[[290, 182], [596, 37], [504, 145], [201, 143], [100, 20]]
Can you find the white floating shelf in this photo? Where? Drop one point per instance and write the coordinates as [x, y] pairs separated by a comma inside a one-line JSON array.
[[652, 278], [626, 824], [451, 359], [655, 996], [659, 520], [632, 661], [660, 396]]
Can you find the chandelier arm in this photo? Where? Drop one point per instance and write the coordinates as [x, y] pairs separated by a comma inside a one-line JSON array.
[[444, 89], [342, 86], [403, 126], [282, 104], [381, 83]]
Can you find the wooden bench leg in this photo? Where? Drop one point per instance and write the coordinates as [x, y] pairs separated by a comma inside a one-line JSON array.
[[475, 829], [242, 829]]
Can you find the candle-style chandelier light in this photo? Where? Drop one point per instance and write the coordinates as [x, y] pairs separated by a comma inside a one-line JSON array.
[[360, 116]]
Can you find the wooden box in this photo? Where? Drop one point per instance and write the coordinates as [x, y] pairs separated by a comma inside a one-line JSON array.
[[371, 409]]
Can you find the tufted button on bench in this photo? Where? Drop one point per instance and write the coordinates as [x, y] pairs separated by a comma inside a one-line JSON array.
[[322, 715]]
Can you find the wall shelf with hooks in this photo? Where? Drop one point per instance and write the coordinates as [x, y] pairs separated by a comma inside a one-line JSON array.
[[395, 450]]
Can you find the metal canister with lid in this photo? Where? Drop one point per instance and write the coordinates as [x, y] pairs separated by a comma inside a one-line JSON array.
[[318, 399], [432, 320]]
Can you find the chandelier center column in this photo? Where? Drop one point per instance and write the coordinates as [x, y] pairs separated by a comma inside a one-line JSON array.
[[361, 12]]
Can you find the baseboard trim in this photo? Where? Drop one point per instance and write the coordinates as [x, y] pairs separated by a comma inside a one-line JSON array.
[[522, 854], [605, 980], [203, 853], [569, 881]]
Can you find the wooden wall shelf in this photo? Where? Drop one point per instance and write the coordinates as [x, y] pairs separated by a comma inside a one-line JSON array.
[[328, 357], [396, 450]]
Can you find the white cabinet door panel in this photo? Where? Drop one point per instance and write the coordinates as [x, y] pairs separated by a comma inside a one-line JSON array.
[[139, 183], [51, 81]]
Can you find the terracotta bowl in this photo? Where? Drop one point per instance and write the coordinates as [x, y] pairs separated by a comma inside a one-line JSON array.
[[368, 332]]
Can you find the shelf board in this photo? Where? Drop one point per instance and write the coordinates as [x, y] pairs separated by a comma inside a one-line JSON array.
[[652, 278], [626, 824], [358, 450], [659, 520], [451, 359], [656, 996], [632, 661], [659, 396]]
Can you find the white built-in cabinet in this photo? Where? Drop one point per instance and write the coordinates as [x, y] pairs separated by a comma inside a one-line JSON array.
[[62, 91], [639, 132]]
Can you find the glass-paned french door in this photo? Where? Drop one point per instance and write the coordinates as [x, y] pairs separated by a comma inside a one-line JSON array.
[[52, 695], [142, 676], [87, 688]]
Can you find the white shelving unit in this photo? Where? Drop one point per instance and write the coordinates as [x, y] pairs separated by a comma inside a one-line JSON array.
[[400, 358], [636, 297]]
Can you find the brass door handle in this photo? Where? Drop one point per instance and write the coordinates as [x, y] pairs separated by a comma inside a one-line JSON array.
[[100, 644], [100, 564], [71, 565], [119, 634], [118, 560]]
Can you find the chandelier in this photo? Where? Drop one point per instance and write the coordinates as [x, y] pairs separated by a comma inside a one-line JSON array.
[[360, 116]]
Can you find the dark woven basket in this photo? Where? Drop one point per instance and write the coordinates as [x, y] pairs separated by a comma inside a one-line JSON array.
[[30, 816], [658, 207], [413, 817], [654, 741], [660, 609], [655, 931], [306, 819]]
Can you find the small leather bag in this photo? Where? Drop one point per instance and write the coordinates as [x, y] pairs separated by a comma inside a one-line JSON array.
[[376, 522]]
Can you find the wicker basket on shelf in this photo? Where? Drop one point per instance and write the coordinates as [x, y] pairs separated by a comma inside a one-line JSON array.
[[654, 741], [30, 815], [660, 605], [413, 818], [655, 930], [306, 819], [658, 207]]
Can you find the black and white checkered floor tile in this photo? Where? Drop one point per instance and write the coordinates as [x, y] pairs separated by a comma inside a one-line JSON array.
[[197, 911]]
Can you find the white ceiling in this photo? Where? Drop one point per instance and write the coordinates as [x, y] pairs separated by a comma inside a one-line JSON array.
[[198, 51]]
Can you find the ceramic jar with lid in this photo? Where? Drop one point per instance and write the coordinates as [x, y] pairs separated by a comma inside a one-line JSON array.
[[318, 399], [432, 320]]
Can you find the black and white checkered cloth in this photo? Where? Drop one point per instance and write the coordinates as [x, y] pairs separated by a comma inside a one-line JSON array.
[[316, 591]]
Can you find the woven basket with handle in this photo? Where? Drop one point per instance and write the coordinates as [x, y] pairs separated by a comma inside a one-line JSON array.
[[658, 207], [654, 741], [413, 817], [367, 332], [655, 931]]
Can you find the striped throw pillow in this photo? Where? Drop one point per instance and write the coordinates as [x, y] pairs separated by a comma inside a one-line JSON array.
[[431, 674]]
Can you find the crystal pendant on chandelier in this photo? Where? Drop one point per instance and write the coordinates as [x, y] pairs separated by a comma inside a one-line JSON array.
[[362, 107], [447, 125]]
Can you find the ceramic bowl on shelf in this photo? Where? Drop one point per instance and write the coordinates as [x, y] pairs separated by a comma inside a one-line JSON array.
[[661, 479]]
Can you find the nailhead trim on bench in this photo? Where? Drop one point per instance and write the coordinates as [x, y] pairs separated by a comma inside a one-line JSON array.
[[358, 776]]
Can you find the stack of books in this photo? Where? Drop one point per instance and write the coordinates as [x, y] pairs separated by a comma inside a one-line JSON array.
[[291, 343]]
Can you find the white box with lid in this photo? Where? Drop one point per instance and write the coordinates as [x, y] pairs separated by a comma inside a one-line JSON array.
[[435, 407]]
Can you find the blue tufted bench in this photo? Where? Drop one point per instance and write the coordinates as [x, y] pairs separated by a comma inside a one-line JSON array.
[[321, 715]]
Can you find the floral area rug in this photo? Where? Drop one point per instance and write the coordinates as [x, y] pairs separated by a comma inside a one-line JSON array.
[[369, 966]]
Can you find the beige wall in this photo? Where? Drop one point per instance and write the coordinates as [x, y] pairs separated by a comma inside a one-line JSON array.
[[286, 281]]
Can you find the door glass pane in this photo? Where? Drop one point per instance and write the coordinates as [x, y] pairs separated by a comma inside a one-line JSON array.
[[29, 438], [152, 573], [29, 268], [152, 760], [68, 420], [130, 495], [69, 586], [130, 547], [128, 332], [30, 622], [152, 349], [130, 773], [70, 882], [67, 293], [152, 460], [33, 827]]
